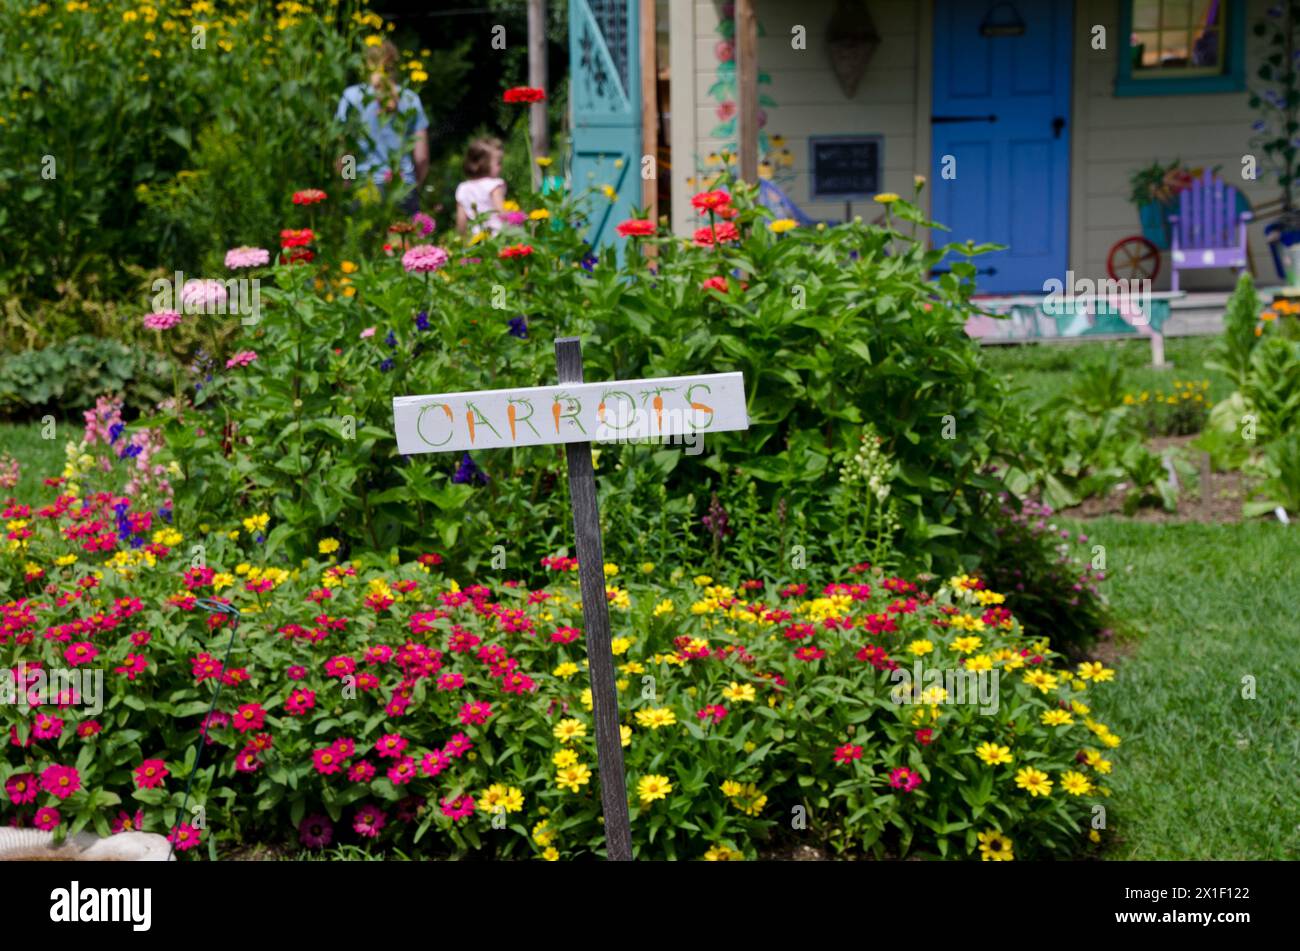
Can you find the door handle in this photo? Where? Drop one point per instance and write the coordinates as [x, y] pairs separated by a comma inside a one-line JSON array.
[[944, 119], [1057, 125]]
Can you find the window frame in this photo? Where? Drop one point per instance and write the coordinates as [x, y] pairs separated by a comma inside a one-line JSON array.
[[1232, 79]]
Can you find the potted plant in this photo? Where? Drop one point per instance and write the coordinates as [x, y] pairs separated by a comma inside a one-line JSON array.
[[1155, 189]]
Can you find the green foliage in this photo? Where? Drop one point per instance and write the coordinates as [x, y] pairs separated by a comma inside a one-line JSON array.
[[833, 327], [1232, 351], [134, 135], [78, 371]]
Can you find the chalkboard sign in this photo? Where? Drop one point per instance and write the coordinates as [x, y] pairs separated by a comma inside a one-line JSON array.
[[845, 167]]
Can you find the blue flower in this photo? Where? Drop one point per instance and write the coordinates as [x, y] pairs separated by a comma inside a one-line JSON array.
[[589, 261], [391, 339], [422, 320], [469, 472], [386, 365], [165, 514], [114, 431], [519, 327], [259, 538], [129, 452]]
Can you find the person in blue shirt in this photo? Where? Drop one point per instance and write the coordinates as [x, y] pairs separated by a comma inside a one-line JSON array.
[[393, 127]]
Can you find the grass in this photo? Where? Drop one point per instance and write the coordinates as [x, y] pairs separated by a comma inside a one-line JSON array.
[[1037, 369], [1204, 773], [39, 457]]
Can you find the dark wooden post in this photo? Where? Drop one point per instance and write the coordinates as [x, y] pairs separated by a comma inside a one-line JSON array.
[[595, 616], [746, 44]]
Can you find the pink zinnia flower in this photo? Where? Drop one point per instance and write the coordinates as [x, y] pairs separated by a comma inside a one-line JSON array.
[[369, 821], [424, 258], [315, 831], [402, 772], [340, 666], [432, 764], [47, 819], [150, 774], [60, 781], [424, 223], [21, 788], [458, 746], [451, 681], [345, 747], [903, 778], [459, 808], [185, 837], [81, 653], [242, 359], [46, 727], [162, 320], [361, 772], [847, 753], [390, 745], [125, 822], [327, 761], [245, 256], [475, 712], [250, 716], [300, 701], [202, 296], [89, 728], [368, 332]]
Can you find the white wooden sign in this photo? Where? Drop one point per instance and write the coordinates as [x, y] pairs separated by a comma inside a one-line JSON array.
[[619, 411]]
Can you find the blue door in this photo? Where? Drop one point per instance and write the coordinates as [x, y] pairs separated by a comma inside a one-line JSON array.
[[605, 107], [1001, 136]]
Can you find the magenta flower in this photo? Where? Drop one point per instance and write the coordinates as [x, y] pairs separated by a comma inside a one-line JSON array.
[[361, 772], [242, 359], [185, 837], [315, 831], [80, 653], [162, 320], [390, 745], [433, 763], [125, 822], [60, 781], [424, 258], [46, 727], [47, 819], [402, 772], [245, 256], [461, 807], [150, 774], [21, 788], [424, 223], [903, 778], [369, 821], [327, 761]]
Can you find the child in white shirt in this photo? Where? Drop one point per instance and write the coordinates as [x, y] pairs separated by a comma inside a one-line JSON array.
[[481, 197]]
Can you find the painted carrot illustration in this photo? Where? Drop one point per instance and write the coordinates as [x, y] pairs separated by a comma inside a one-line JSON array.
[[557, 408], [447, 409], [469, 418], [600, 412], [510, 417], [657, 404]]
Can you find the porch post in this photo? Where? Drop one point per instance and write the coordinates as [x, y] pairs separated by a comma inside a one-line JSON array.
[[747, 88], [649, 110], [538, 127]]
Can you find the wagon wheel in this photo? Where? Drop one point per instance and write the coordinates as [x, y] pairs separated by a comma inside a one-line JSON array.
[[1133, 258]]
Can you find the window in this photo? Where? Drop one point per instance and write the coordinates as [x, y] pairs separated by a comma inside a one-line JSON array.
[[1181, 46]]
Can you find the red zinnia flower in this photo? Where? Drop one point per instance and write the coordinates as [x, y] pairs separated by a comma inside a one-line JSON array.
[[150, 774], [250, 716], [296, 237], [516, 251], [309, 196], [847, 753], [523, 94], [636, 228], [724, 231], [710, 201]]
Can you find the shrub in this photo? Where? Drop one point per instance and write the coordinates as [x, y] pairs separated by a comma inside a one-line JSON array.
[[390, 704], [76, 372]]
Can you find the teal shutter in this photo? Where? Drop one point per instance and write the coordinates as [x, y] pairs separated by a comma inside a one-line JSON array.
[[605, 101]]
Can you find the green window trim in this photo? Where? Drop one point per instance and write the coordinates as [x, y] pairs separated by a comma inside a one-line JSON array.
[[1232, 79]]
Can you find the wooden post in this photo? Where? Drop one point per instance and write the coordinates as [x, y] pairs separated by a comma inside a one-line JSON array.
[[747, 88], [595, 615], [538, 128], [649, 110]]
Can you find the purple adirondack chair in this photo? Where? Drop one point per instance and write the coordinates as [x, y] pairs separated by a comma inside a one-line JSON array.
[[1208, 231]]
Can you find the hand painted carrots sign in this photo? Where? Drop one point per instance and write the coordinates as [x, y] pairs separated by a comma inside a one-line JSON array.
[[577, 412]]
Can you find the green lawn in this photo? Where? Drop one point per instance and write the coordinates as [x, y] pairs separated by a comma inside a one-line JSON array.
[[1203, 773], [40, 458], [1038, 368]]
